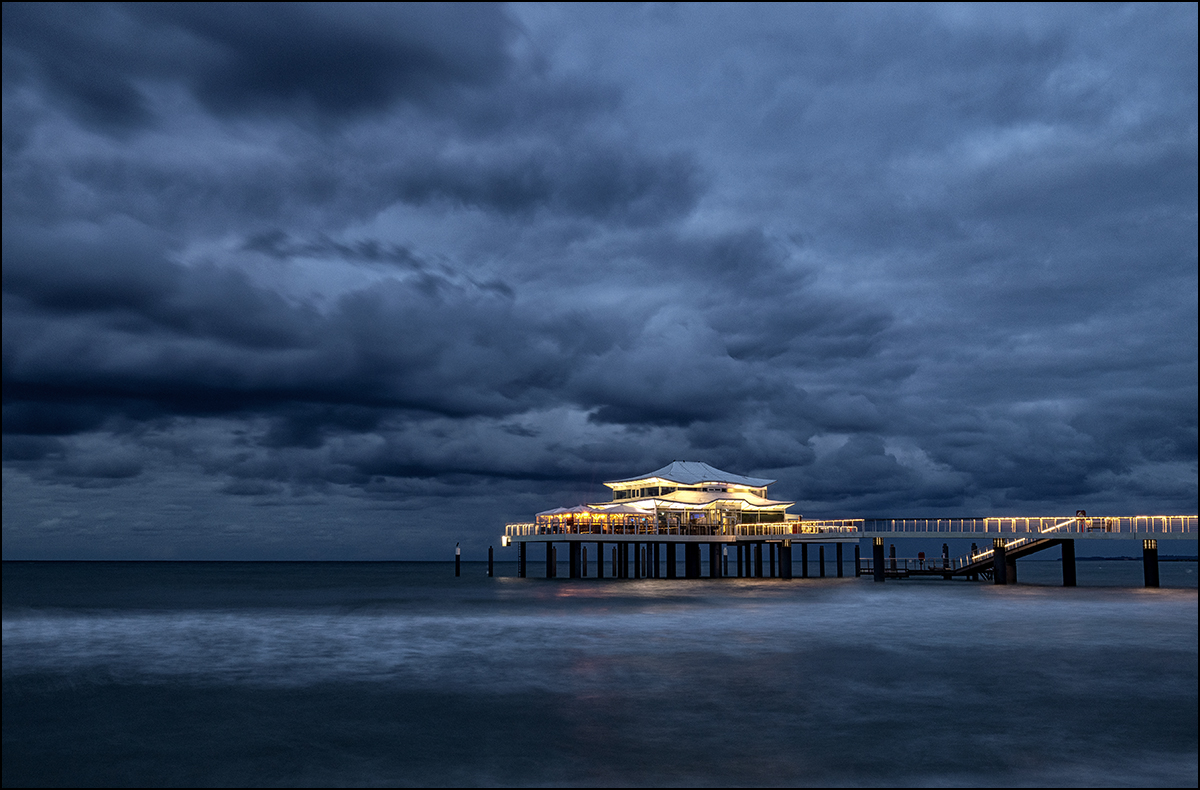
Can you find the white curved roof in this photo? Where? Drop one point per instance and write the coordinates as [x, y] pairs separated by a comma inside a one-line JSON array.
[[690, 473]]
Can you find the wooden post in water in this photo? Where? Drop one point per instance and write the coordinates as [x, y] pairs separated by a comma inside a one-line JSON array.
[[1150, 561], [583, 561], [821, 559], [857, 563], [672, 568], [521, 559], [803, 560], [877, 559], [491, 568], [785, 560], [457, 560], [714, 560], [839, 560], [600, 560], [758, 560], [771, 562]]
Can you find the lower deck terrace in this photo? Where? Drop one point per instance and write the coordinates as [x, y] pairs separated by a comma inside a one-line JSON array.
[[680, 530]]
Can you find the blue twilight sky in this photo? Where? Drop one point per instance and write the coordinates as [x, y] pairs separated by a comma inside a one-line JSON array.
[[361, 281]]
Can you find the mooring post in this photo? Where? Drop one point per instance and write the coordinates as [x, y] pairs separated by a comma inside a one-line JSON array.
[[1150, 561], [857, 564], [1068, 562], [785, 560], [491, 568], [457, 560], [877, 559], [521, 559], [672, 568], [714, 560], [999, 562], [803, 560], [573, 559]]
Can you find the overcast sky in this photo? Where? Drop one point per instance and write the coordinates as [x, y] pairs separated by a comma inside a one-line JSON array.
[[360, 282]]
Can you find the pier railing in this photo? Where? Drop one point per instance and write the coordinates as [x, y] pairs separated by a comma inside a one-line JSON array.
[[1056, 525]]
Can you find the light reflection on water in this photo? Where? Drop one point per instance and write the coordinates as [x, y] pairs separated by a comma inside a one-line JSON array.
[[401, 674]]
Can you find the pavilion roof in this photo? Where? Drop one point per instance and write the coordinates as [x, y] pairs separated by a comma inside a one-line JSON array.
[[692, 472]]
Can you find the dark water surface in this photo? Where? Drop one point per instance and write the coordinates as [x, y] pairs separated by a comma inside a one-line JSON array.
[[399, 673]]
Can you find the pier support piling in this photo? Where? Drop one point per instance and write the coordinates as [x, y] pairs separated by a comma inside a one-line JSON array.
[[739, 560], [615, 575], [672, 568], [771, 551], [877, 559], [637, 560], [491, 563], [1150, 561], [725, 561], [1068, 562], [999, 562], [521, 559], [573, 557], [758, 560], [457, 560], [600, 560], [839, 560], [551, 561], [857, 564], [803, 560], [714, 560], [821, 559], [691, 560], [583, 560], [785, 560]]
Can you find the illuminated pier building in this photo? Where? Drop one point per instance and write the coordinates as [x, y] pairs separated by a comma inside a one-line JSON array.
[[747, 533], [688, 503]]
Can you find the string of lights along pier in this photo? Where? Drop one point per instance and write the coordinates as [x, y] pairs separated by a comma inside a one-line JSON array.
[[690, 508]]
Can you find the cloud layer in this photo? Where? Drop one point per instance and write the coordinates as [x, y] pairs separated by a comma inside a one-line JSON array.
[[310, 281]]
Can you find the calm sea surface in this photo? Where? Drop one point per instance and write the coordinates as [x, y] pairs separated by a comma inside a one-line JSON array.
[[401, 674]]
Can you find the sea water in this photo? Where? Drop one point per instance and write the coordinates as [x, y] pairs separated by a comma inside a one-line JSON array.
[[403, 674]]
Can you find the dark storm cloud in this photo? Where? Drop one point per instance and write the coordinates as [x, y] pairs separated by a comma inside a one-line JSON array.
[[252, 58], [473, 260]]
